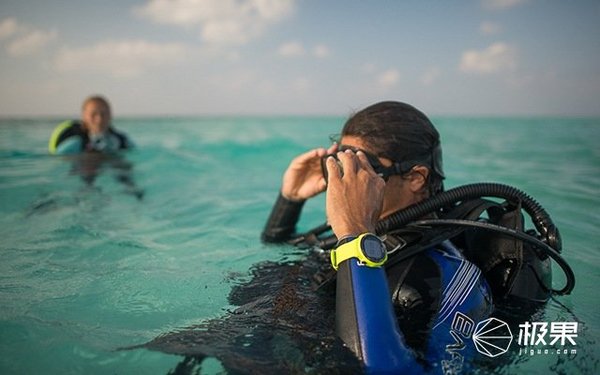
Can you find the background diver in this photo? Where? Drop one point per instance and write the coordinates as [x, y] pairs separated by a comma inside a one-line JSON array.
[[96, 143]]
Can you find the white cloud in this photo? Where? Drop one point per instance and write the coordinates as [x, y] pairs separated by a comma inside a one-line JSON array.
[[8, 27], [388, 78], [490, 28], [120, 58], [501, 4], [321, 51], [497, 57], [23, 40], [296, 49], [291, 49], [30, 43], [220, 21], [431, 75]]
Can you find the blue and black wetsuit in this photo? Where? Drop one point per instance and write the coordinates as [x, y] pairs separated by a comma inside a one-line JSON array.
[[70, 137], [415, 315]]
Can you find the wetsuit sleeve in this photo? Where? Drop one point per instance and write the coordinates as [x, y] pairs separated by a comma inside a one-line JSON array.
[[365, 320], [282, 221], [66, 138], [68, 146]]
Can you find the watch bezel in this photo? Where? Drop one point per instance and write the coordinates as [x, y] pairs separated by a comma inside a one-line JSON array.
[[372, 238]]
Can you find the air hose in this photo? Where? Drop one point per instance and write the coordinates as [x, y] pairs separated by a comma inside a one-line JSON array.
[[540, 218]]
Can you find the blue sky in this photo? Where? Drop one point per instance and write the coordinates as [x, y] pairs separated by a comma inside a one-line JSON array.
[[300, 57]]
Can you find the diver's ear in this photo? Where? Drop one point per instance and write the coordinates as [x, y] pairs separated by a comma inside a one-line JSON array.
[[418, 178]]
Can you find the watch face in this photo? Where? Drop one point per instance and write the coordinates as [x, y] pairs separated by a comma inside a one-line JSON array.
[[373, 249]]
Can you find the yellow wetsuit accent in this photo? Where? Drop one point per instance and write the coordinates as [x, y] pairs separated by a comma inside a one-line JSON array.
[[60, 128]]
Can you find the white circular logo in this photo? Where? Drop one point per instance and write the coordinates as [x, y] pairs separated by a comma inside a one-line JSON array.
[[492, 337]]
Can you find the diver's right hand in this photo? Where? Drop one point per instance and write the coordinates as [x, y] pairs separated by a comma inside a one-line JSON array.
[[304, 178]]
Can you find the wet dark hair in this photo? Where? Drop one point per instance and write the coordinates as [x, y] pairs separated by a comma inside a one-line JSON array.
[[98, 99], [401, 133]]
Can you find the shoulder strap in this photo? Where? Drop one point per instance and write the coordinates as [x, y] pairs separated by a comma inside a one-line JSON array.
[[122, 138]]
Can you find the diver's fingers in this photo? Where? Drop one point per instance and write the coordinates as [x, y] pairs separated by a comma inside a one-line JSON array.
[[333, 148], [308, 157], [321, 152], [349, 162], [364, 163], [334, 174]]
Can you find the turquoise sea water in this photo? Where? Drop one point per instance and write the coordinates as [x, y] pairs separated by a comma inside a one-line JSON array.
[[85, 270]]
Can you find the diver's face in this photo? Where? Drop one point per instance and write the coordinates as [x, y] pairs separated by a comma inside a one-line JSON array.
[[96, 117]]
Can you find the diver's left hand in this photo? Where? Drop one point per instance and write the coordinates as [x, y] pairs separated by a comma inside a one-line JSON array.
[[355, 200]]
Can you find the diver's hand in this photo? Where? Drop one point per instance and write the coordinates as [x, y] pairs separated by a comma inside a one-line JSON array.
[[354, 200], [304, 178]]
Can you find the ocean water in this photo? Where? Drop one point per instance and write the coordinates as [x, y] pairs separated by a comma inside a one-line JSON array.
[[86, 269]]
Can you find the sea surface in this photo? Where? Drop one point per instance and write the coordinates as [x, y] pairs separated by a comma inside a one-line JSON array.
[[90, 267]]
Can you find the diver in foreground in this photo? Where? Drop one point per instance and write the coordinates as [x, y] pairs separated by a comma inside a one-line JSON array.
[[417, 267]]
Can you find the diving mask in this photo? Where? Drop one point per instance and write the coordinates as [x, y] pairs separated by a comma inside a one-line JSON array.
[[384, 172]]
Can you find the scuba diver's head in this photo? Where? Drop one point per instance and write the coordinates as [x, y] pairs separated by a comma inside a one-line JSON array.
[[96, 115], [401, 134]]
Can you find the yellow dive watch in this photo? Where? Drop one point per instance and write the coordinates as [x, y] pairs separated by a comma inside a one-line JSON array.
[[367, 248]]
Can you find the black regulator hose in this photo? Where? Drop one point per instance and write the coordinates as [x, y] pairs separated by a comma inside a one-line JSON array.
[[540, 218]]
